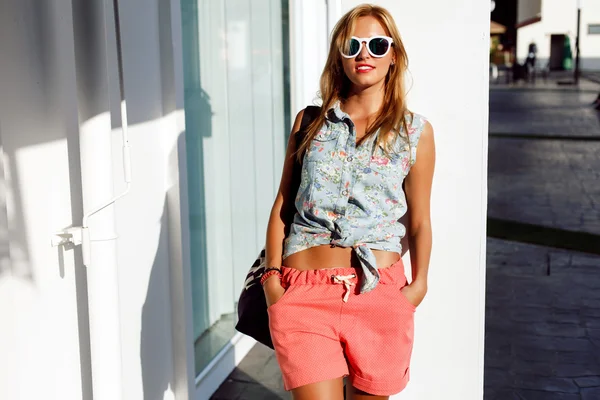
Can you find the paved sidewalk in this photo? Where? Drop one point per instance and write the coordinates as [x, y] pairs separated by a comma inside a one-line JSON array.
[[543, 264], [542, 324], [559, 81], [593, 76], [257, 377], [538, 112]]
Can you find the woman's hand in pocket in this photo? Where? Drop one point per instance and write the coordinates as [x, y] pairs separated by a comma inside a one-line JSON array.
[[273, 290], [414, 293]]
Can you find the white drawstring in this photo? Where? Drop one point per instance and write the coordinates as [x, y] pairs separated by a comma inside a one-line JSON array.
[[345, 279]]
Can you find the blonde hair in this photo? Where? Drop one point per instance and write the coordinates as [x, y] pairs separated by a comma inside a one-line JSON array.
[[335, 84]]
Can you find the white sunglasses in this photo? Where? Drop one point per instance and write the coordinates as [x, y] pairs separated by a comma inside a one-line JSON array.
[[377, 46]]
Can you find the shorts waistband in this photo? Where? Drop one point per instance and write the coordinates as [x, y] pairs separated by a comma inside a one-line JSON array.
[[393, 274]]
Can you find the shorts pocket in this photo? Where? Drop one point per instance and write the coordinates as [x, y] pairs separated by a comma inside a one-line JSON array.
[[405, 300], [283, 298]]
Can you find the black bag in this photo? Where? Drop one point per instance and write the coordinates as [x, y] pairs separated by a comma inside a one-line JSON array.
[[253, 319]]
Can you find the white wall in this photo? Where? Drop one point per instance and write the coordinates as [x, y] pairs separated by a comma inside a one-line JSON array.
[[143, 217], [43, 292], [560, 17], [309, 45], [590, 44], [448, 355]]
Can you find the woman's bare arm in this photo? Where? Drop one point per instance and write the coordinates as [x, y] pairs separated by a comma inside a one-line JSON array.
[[418, 194], [282, 211]]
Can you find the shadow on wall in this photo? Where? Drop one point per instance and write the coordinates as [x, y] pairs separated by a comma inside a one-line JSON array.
[[28, 86], [156, 359], [157, 355], [198, 122], [34, 111], [159, 343], [4, 244], [198, 116]]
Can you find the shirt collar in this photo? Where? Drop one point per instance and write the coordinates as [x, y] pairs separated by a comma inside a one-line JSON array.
[[335, 113]]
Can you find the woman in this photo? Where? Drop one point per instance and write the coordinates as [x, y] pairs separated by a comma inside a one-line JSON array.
[[338, 301]]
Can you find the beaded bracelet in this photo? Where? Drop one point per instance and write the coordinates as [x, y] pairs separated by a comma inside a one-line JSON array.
[[277, 269], [268, 273]]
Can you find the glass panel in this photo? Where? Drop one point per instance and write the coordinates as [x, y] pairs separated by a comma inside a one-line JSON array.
[[594, 29], [236, 109]]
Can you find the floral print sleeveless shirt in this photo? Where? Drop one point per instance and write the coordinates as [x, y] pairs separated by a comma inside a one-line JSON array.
[[352, 196]]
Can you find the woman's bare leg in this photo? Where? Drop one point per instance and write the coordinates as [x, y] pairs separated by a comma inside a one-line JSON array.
[[332, 389], [353, 393]]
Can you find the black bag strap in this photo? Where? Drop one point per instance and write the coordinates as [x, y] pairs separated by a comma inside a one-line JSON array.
[[310, 114]]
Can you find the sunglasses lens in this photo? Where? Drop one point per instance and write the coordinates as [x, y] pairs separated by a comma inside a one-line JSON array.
[[379, 46], [352, 47]]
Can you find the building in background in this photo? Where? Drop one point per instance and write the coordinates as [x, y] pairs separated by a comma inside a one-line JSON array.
[[206, 90], [505, 13], [552, 25]]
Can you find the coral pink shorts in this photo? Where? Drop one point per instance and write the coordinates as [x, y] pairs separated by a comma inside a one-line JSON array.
[[322, 329]]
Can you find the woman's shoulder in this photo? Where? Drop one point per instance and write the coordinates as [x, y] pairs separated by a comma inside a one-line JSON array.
[[415, 120]]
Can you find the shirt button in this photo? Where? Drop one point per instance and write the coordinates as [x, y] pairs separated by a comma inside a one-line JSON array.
[[345, 193], [350, 158]]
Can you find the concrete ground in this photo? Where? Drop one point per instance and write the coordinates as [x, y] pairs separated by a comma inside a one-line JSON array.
[[543, 255]]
